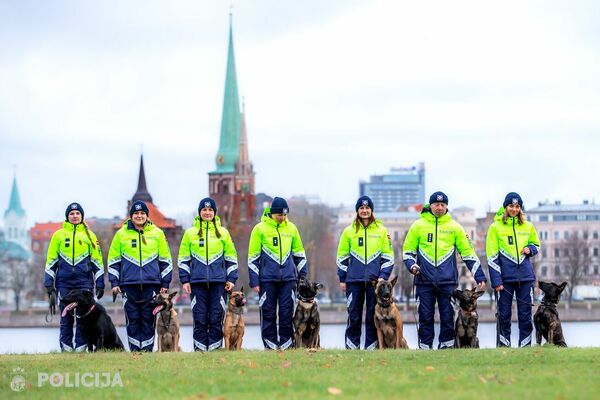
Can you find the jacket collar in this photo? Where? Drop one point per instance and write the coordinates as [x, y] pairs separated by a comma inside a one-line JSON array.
[[267, 219], [427, 215], [70, 227], [199, 222]]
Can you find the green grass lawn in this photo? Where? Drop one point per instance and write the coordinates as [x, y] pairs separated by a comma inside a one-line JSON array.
[[537, 372]]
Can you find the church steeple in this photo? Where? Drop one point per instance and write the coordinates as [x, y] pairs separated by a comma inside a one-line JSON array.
[[142, 191], [14, 204], [227, 155]]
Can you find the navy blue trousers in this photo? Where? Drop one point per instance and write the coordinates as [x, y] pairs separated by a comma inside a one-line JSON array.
[[277, 299], [66, 328], [356, 294], [427, 295], [141, 323], [208, 307], [524, 293]]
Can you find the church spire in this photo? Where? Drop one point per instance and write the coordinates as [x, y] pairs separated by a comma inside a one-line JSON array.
[[14, 204], [142, 191], [227, 155]]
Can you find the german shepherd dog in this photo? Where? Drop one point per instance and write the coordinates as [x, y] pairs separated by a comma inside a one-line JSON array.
[[233, 327], [388, 321], [307, 321], [167, 323], [546, 319], [467, 320], [98, 329]]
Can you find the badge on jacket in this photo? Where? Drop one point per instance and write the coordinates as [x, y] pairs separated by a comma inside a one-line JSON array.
[[430, 237], [275, 241], [134, 243], [361, 242], [67, 242], [510, 240], [201, 242]]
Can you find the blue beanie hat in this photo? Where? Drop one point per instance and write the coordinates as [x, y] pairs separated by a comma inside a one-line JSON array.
[[512, 198], [138, 205], [279, 206], [72, 207], [207, 202], [438, 197], [364, 201]]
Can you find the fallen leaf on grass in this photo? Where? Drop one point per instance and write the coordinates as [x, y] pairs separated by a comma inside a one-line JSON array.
[[286, 364], [241, 372], [334, 390], [312, 350], [286, 383], [451, 378], [223, 360], [482, 379], [327, 366], [252, 364], [429, 368]]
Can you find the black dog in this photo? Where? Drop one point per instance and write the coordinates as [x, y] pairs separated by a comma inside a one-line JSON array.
[[467, 320], [98, 328], [546, 319], [307, 321]]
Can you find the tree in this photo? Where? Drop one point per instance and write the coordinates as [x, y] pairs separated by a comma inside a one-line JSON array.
[[16, 274], [577, 258]]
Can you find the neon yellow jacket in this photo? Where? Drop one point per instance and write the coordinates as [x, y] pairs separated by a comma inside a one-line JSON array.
[[131, 261], [207, 258], [432, 242], [504, 243], [275, 252], [72, 261], [365, 255]]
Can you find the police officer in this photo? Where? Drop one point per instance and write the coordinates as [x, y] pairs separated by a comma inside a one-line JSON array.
[[74, 261], [139, 266], [275, 260], [510, 244], [364, 256], [430, 254], [207, 269]]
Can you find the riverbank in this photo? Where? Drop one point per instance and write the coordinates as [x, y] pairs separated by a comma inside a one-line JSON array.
[[330, 314]]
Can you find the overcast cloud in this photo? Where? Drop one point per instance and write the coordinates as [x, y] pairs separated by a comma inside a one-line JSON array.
[[492, 96]]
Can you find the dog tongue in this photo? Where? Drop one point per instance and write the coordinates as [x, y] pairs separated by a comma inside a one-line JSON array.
[[157, 309], [68, 308]]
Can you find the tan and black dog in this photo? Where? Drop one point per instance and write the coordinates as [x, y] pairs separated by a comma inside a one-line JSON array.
[[546, 320], [388, 321], [167, 323], [233, 327], [467, 320], [307, 321]]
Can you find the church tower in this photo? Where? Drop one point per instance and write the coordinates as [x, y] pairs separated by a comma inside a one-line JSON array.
[[231, 184], [15, 219]]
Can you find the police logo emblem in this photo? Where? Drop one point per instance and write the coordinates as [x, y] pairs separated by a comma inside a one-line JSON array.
[[138, 207], [440, 197], [515, 201], [73, 206], [285, 210], [365, 202], [207, 204]]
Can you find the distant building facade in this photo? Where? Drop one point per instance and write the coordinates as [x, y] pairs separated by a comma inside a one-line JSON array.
[[402, 187]]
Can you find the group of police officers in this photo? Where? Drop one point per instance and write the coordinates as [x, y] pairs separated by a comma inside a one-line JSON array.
[[139, 267]]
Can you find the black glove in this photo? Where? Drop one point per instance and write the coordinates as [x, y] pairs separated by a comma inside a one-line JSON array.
[[51, 300], [99, 293]]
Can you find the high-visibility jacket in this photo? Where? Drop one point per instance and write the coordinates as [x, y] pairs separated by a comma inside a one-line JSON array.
[[365, 254], [72, 261], [208, 258], [139, 256], [432, 243], [275, 252], [504, 245]]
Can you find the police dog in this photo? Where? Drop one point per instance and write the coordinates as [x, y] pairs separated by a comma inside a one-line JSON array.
[[233, 327], [307, 321], [467, 320], [546, 319], [167, 323], [98, 329], [388, 321]]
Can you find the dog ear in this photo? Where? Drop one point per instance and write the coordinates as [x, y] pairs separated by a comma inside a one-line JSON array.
[[456, 294], [242, 290], [172, 294], [541, 283], [393, 281], [319, 286], [562, 287]]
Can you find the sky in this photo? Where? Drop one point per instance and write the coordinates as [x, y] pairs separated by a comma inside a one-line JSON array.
[[492, 96]]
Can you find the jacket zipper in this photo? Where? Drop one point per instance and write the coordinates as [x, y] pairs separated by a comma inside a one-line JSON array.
[[435, 260], [366, 263], [206, 247], [140, 247], [73, 259], [517, 248], [280, 252]]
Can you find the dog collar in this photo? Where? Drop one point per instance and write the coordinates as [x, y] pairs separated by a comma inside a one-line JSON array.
[[87, 313], [304, 299]]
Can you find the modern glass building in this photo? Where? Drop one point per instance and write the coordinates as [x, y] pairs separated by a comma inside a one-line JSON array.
[[402, 187]]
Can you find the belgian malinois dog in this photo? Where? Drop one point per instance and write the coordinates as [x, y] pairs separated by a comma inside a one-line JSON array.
[[388, 321], [467, 320], [98, 329], [167, 323], [233, 327], [307, 321], [546, 319]]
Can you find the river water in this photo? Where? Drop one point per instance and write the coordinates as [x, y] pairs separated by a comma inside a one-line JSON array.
[[45, 340]]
